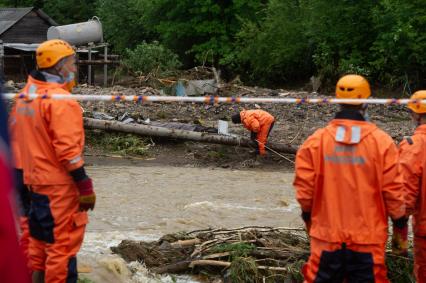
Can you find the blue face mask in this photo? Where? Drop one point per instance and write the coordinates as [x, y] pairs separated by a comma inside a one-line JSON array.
[[70, 77]]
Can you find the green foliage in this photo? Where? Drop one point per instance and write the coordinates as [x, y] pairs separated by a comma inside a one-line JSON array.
[[69, 11], [122, 23], [124, 144], [268, 41], [398, 50], [235, 249], [62, 11], [275, 48], [151, 58], [201, 30]]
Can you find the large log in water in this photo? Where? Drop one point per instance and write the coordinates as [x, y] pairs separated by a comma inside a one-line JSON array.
[[146, 130]]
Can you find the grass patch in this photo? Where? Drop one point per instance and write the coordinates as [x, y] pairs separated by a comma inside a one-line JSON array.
[[123, 144], [236, 250]]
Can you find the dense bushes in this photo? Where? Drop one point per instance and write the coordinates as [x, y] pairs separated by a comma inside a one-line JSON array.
[[151, 58], [270, 41]]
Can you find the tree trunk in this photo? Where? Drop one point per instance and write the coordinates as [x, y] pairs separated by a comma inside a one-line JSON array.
[[146, 130]]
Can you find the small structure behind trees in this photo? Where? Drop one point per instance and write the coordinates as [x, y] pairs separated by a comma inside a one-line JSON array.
[[21, 30]]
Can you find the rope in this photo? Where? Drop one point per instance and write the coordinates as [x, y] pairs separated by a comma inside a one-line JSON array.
[[277, 153], [209, 99]]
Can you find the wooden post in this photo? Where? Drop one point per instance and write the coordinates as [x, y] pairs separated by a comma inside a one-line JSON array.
[[89, 67], [105, 65]]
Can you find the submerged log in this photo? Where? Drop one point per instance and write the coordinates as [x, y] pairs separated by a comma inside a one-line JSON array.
[[146, 130]]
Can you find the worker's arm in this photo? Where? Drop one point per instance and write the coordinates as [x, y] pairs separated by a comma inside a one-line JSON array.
[[410, 166], [392, 183], [65, 120], [304, 181]]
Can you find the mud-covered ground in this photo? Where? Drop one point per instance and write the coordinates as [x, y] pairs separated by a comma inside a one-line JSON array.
[[294, 123]]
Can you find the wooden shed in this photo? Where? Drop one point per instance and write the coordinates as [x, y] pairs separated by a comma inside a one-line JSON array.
[[21, 30]]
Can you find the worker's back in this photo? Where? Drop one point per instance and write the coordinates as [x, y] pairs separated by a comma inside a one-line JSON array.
[[253, 118], [347, 177], [50, 132]]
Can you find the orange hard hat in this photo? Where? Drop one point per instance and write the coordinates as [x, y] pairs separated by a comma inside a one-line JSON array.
[[50, 52], [418, 107], [352, 87]]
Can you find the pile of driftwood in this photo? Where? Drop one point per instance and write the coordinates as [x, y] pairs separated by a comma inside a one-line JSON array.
[[248, 254]]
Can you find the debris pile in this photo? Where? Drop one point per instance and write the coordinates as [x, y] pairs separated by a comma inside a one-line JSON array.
[[248, 254]]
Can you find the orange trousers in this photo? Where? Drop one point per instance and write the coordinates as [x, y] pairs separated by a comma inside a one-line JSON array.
[[57, 229], [333, 262], [24, 239], [420, 259]]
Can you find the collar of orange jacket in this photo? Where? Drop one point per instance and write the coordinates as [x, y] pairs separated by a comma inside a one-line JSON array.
[[421, 129], [350, 115], [37, 78]]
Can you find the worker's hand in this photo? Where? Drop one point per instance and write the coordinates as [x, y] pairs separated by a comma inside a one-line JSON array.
[[399, 237], [253, 136], [87, 194]]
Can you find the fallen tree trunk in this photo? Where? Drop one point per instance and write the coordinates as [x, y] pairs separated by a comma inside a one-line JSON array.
[[146, 130]]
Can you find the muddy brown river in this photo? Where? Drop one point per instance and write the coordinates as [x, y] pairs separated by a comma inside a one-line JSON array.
[[143, 202]]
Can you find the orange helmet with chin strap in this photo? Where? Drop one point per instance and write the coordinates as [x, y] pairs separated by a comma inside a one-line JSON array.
[[50, 52]]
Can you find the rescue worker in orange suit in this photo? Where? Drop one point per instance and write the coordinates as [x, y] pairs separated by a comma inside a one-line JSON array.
[[347, 183], [260, 123], [50, 138], [413, 166]]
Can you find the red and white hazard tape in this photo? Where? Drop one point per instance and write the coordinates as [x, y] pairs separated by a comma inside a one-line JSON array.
[[209, 99]]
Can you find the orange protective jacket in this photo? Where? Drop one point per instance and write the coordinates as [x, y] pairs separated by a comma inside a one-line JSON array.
[[260, 122], [347, 177], [49, 134], [413, 167]]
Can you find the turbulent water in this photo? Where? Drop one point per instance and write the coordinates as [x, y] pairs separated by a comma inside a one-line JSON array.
[[138, 202]]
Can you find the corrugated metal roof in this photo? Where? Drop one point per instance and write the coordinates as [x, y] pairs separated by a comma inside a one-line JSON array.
[[9, 16], [22, 46]]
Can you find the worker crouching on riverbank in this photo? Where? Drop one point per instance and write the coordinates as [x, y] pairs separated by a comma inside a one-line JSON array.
[[259, 123], [347, 183], [50, 138]]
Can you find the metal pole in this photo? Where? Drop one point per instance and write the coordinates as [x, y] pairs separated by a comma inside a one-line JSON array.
[[89, 67], [77, 75], [105, 65]]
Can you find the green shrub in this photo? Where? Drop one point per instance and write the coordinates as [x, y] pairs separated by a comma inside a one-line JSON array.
[[151, 58]]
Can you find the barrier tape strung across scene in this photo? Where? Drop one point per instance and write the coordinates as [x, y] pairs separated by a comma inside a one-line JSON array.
[[209, 99]]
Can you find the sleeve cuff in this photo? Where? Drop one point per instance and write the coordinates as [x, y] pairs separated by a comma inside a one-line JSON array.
[[79, 174]]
